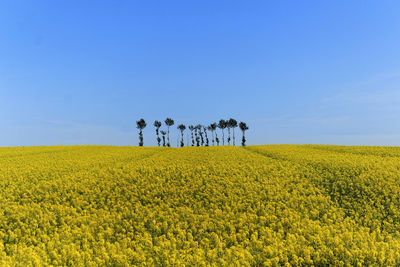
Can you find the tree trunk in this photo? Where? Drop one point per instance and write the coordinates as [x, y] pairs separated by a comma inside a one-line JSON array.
[[140, 138], [168, 143], [233, 136], [229, 136], [158, 136]]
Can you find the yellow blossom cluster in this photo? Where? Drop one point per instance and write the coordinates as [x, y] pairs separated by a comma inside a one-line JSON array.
[[197, 206]]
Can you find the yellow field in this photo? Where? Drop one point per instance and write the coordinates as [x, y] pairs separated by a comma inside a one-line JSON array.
[[260, 205]]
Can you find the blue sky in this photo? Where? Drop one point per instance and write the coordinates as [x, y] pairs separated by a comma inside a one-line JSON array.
[[82, 72]]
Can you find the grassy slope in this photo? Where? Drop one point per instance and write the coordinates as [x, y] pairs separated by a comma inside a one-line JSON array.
[[262, 205]]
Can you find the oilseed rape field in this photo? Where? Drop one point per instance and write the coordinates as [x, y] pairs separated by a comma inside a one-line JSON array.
[[277, 205]]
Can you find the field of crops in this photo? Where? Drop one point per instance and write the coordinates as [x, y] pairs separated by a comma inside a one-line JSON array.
[[259, 205]]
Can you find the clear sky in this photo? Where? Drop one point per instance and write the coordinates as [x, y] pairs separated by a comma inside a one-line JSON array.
[[82, 72]]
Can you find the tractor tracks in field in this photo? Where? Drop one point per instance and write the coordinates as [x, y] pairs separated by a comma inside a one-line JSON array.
[[322, 177]]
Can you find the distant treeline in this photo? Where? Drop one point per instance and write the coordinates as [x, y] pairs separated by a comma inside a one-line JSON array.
[[199, 133]]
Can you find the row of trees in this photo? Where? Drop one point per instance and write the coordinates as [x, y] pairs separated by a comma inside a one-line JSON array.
[[199, 133]]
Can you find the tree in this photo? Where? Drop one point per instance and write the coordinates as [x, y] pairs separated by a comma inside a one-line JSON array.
[[182, 127], [212, 133], [163, 133], [229, 132], [222, 125], [233, 124], [141, 124], [191, 128], [199, 128], [212, 128], [243, 126], [196, 129], [205, 133], [157, 124], [169, 122]]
